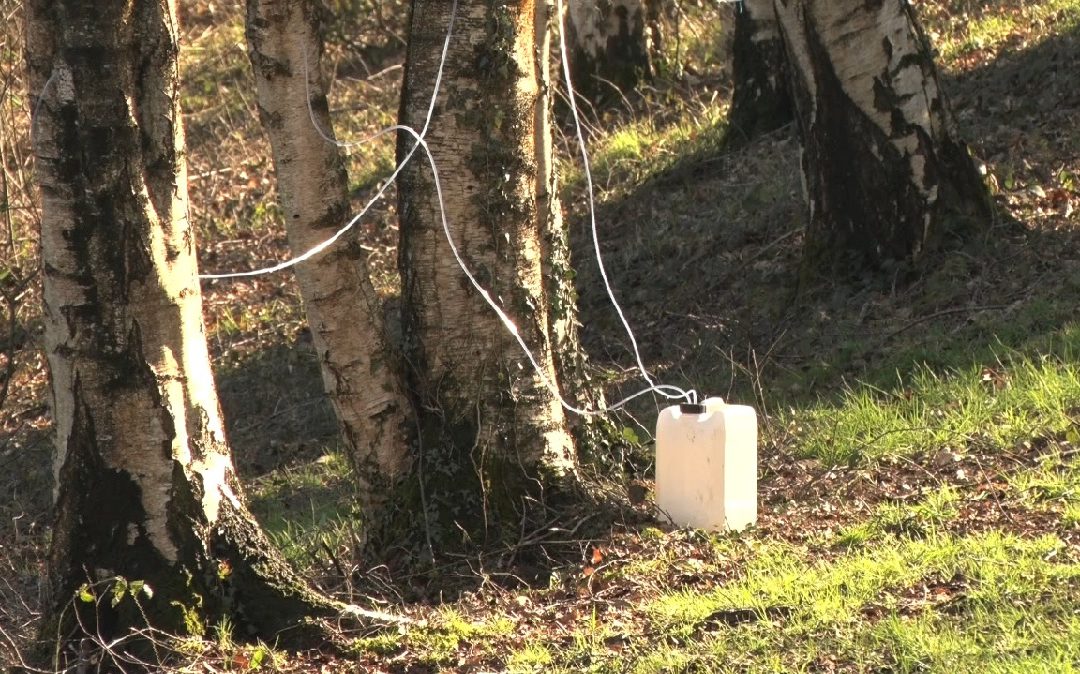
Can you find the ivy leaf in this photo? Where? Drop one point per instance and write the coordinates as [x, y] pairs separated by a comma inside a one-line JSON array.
[[630, 435], [257, 657]]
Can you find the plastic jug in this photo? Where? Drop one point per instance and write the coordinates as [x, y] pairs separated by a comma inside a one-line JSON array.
[[706, 465]]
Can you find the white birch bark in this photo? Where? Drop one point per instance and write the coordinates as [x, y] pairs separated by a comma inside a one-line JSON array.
[[887, 177], [145, 487], [360, 365], [609, 44]]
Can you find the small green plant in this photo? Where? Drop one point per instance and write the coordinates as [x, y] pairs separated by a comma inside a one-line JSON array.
[[532, 658], [1054, 480], [223, 634], [927, 518]]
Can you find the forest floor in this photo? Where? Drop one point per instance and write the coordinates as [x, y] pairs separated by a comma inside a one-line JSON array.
[[919, 482]]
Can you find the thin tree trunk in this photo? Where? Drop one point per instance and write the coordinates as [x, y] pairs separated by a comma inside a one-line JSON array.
[[762, 99], [361, 368], [887, 177], [494, 440], [609, 47], [568, 356], [145, 486]]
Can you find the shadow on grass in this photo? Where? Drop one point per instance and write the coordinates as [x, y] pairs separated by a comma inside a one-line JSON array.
[[704, 261], [276, 410]]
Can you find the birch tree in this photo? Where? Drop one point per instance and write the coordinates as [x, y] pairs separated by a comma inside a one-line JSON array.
[[360, 366], [887, 177], [494, 443], [761, 101], [609, 45], [145, 485]]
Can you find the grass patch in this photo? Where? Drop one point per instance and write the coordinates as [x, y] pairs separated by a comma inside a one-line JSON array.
[[1018, 397], [1055, 481], [990, 26], [446, 637], [908, 605], [896, 520], [638, 151], [900, 604], [532, 658], [309, 511]]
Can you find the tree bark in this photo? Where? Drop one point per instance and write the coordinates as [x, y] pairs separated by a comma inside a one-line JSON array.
[[494, 441], [145, 486], [762, 99], [590, 432], [886, 176], [610, 47], [360, 366]]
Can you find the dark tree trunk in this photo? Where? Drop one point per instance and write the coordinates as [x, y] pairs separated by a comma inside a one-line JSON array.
[[887, 178], [494, 441], [762, 99], [361, 367], [145, 487], [610, 47]]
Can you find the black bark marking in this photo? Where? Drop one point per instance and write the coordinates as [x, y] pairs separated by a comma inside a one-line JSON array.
[[870, 209]]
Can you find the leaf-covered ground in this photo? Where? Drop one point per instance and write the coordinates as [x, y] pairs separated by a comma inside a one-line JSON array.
[[919, 477]]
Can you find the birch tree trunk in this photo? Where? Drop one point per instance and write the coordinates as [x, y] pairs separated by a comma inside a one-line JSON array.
[[609, 46], [361, 370], [145, 486], [494, 441], [887, 177], [762, 99]]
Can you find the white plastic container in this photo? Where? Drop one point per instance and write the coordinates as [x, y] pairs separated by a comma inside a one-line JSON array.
[[706, 465]]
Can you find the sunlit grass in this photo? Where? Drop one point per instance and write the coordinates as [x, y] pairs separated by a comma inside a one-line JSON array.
[[961, 33], [439, 640], [998, 404], [908, 605], [638, 151], [903, 604], [1055, 481], [924, 519]]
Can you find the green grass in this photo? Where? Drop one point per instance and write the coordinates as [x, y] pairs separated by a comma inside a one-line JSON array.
[[894, 520], [1053, 483], [308, 511], [967, 32], [945, 603], [441, 639], [1001, 404], [637, 151], [872, 609]]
